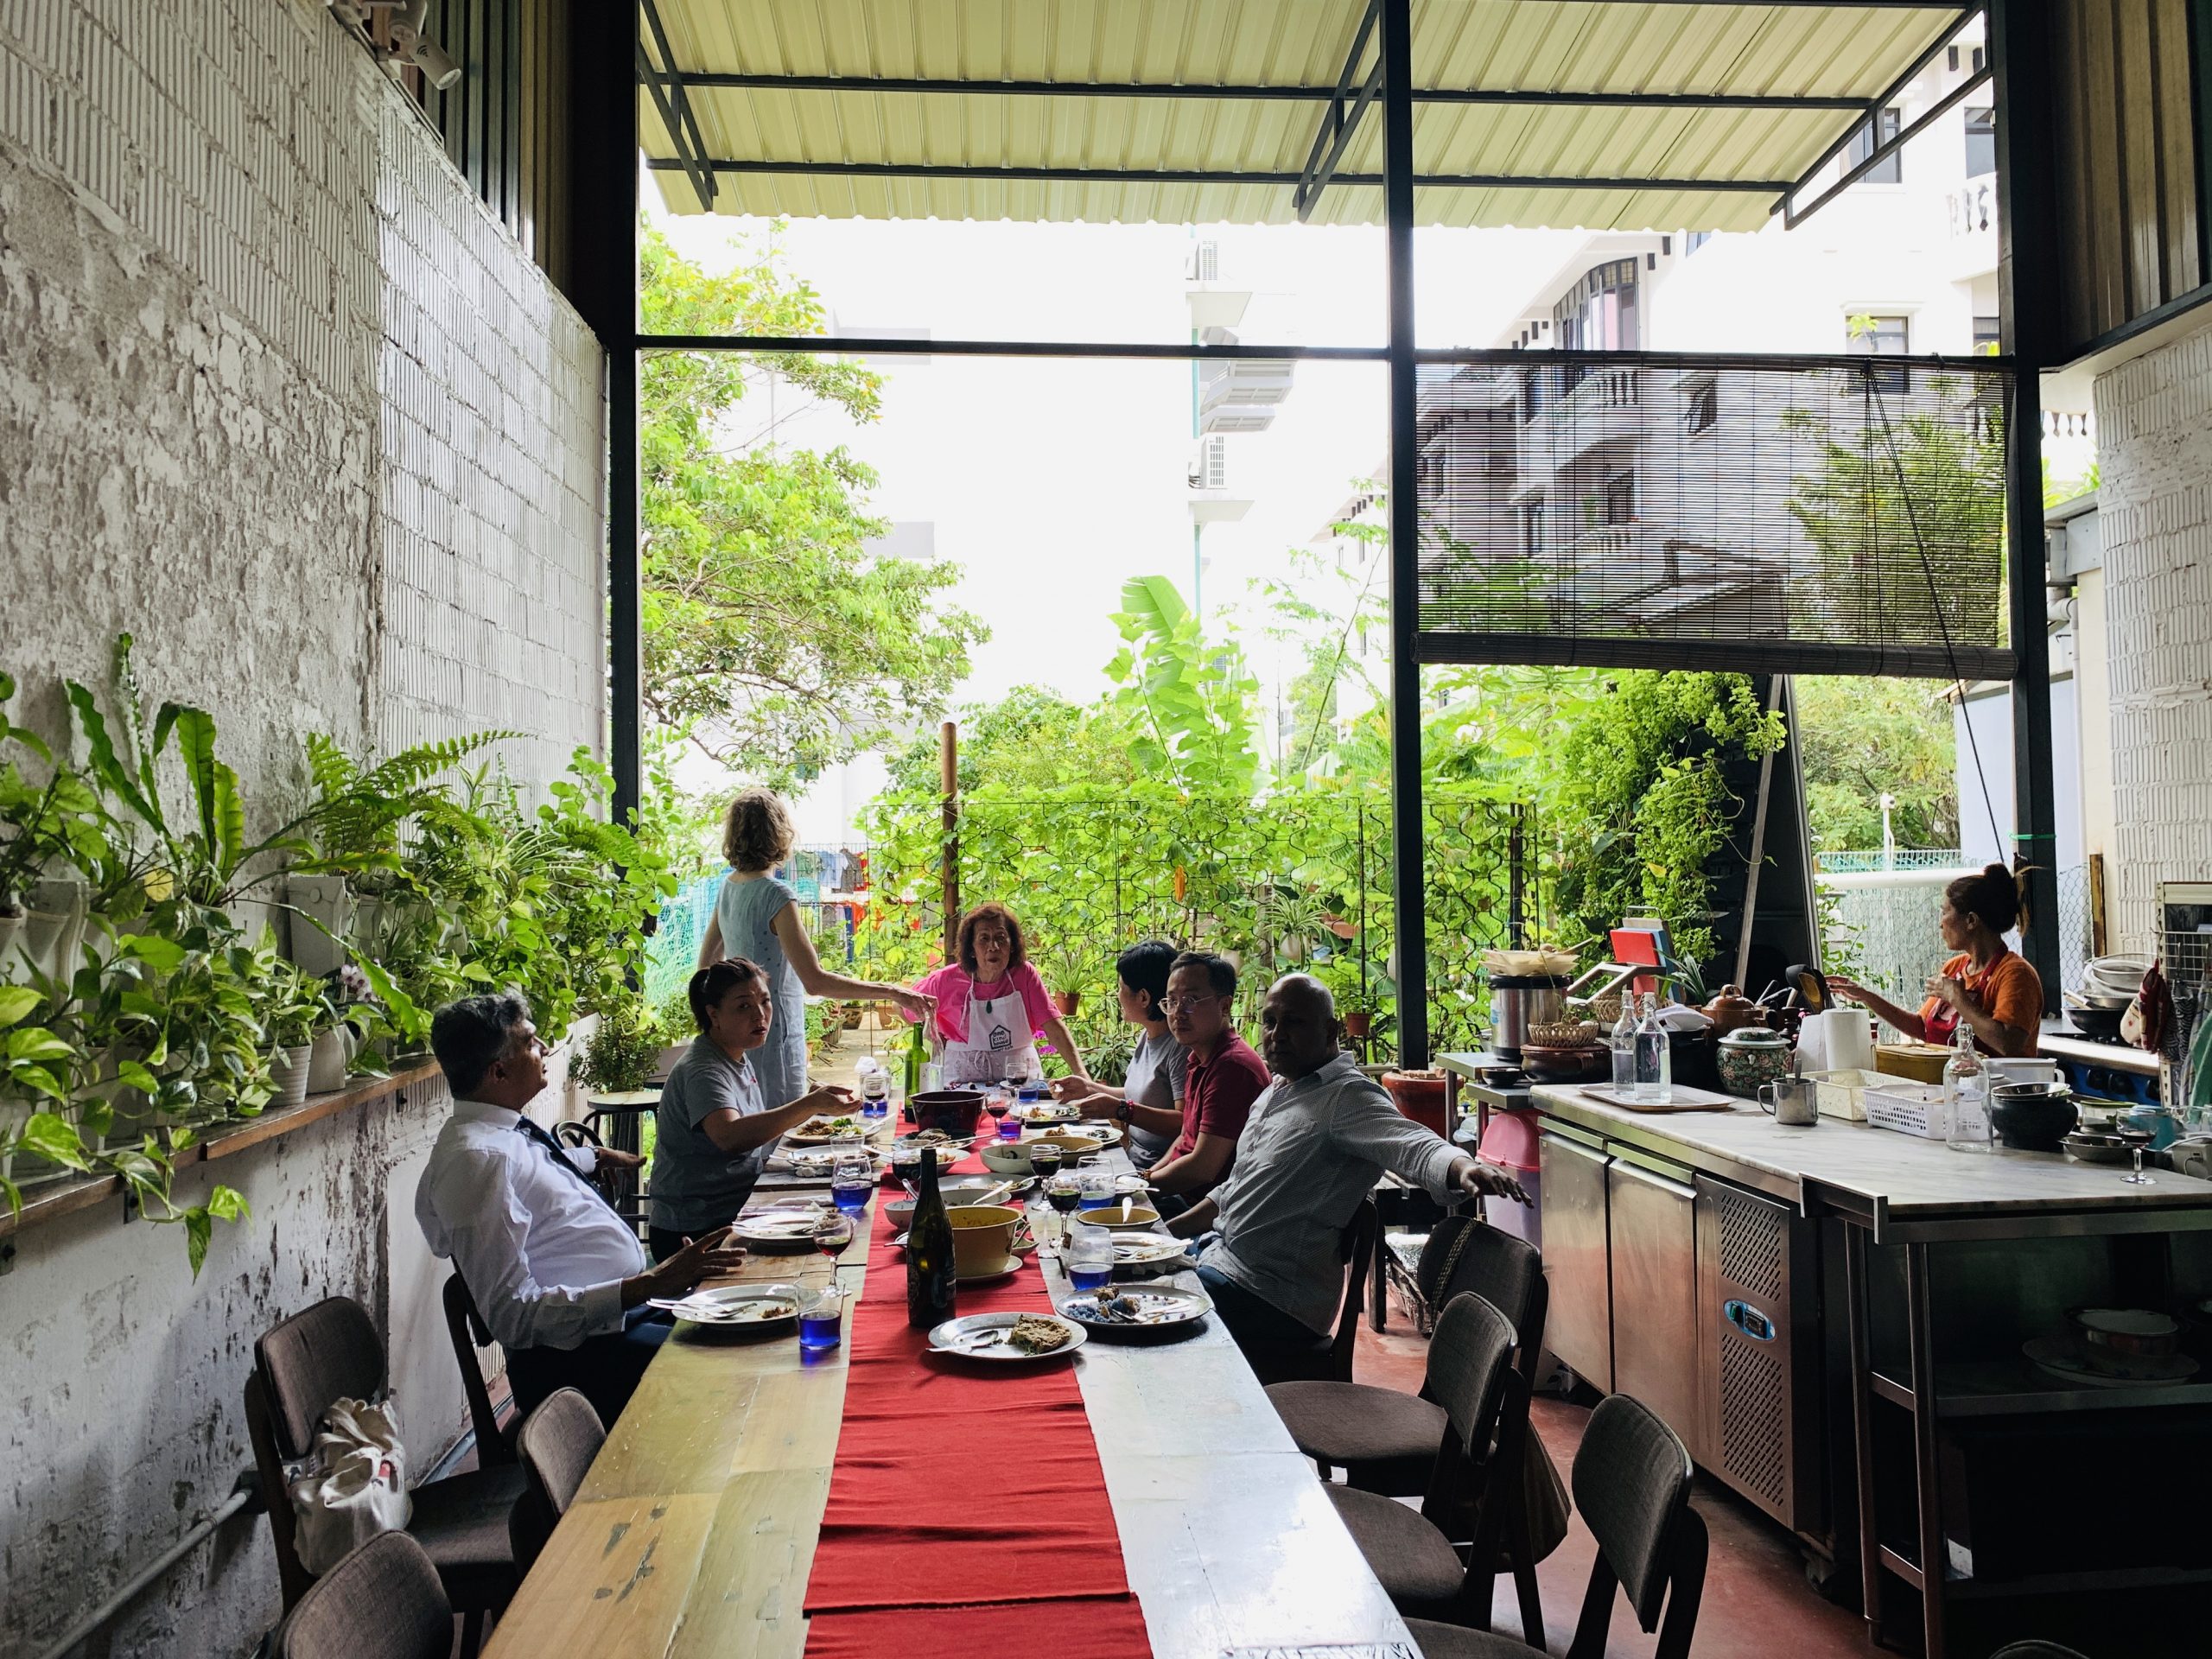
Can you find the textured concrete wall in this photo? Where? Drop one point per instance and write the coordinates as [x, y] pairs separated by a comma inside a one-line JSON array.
[[278, 396], [2154, 507]]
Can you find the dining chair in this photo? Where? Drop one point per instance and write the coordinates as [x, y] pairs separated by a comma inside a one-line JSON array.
[[384, 1601], [1632, 1484], [331, 1351], [1386, 1441], [1356, 1247], [557, 1445], [1478, 1461], [465, 1326]]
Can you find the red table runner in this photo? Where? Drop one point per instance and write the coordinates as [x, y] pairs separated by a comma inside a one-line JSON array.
[[963, 1495]]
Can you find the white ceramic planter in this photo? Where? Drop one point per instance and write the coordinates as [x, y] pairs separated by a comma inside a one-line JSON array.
[[332, 1053], [11, 927], [54, 925], [325, 913], [288, 1069]]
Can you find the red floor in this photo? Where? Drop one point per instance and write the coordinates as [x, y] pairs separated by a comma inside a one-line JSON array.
[[1757, 1604]]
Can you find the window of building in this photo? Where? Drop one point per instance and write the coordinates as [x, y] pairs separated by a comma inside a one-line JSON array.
[[1599, 313], [1532, 527], [1864, 143], [1870, 336], [1981, 141], [1695, 241], [1701, 409], [1618, 503], [1988, 334]]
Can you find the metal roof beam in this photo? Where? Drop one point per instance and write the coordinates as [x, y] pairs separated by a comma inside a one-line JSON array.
[[1212, 175], [666, 85], [1912, 74], [1249, 93], [1793, 216], [1341, 122]]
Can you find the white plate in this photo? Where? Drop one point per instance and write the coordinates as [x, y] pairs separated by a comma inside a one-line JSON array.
[[737, 1306], [777, 1227], [962, 1336], [1159, 1307], [2064, 1360], [1143, 1250]]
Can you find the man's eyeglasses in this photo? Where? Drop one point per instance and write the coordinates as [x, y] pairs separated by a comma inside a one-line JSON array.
[[1177, 1004]]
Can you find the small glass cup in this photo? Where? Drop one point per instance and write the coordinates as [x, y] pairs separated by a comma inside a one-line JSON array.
[[850, 1183], [822, 1322], [1097, 1192]]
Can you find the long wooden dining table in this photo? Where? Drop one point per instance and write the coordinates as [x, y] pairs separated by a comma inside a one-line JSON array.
[[694, 1532]]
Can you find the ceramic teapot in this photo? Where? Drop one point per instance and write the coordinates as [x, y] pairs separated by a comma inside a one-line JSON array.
[[1731, 1011]]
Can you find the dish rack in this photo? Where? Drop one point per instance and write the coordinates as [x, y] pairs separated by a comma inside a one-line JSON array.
[[2185, 956]]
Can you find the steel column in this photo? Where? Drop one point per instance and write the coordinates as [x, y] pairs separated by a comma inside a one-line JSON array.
[[603, 143], [1405, 839], [2020, 33]]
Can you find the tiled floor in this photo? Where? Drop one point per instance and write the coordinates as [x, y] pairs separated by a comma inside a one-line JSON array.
[[1758, 1602]]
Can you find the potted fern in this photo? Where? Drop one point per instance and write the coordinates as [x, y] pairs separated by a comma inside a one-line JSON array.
[[624, 1052]]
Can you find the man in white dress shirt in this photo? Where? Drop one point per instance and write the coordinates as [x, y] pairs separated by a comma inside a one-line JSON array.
[[560, 1278]]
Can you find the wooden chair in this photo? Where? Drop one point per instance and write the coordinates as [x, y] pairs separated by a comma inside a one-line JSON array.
[[557, 1445], [332, 1351], [465, 1326], [1632, 1484], [1387, 1441], [384, 1601]]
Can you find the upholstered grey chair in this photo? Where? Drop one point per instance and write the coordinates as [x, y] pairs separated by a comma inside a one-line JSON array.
[[384, 1601], [1632, 1484], [557, 1445], [332, 1351], [1476, 1468], [1386, 1440]]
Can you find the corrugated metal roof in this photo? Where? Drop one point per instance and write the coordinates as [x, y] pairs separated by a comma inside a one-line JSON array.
[[1576, 46]]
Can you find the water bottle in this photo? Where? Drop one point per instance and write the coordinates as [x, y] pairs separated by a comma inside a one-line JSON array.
[[1966, 1096], [1654, 1057], [1622, 1042], [1090, 1258]]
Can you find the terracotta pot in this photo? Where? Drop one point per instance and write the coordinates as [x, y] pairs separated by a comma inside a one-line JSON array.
[[1422, 1099], [1065, 1002], [1358, 1025]]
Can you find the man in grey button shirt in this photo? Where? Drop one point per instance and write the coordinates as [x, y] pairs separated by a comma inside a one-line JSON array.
[[1316, 1143]]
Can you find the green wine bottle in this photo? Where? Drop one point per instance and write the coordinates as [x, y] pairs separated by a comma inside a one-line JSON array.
[[915, 1051], [933, 1277]]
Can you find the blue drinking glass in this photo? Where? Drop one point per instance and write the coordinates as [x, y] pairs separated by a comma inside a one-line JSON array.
[[822, 1323]]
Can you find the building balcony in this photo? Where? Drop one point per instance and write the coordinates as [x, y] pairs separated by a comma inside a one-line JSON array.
[[1971, 211]]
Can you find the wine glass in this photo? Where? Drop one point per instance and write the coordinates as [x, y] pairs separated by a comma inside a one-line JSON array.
[[833, 1231], [2137, 1178], [906, 1164], [1063, 1193]]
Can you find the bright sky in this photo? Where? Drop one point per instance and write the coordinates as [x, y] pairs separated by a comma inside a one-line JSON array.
[[1050, 482]]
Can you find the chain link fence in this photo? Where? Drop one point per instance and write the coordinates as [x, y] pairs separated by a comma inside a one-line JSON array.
[[1879, 925]]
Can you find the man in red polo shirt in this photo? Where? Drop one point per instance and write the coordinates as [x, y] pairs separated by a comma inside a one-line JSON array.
[[1224, 1077]]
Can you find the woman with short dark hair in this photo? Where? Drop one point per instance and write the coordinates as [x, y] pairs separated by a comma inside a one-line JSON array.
[[757, 918], [991, 1005], [1988, 986], [713, 1129], [1151, 1090]]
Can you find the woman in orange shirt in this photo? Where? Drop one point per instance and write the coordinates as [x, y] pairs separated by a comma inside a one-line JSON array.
[[1988, 986]]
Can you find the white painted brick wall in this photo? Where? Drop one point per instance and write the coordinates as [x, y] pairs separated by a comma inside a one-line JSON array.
[[279, 396], [2154, 450]]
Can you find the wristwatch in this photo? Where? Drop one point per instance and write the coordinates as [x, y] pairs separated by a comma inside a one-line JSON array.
[[1121, 1116]]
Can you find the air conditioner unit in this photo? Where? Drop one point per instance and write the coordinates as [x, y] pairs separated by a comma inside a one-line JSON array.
[[1209, 464], [1203, 264]]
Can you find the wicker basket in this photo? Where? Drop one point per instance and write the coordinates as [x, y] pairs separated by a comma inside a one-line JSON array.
[[1563, 1033], [1606, 1009]]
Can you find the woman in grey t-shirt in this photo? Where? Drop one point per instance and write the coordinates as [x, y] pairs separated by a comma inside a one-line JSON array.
[[1149, 1103], [713, 1131]]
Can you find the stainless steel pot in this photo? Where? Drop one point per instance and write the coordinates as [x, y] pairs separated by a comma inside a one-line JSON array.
[[1520, 1000]]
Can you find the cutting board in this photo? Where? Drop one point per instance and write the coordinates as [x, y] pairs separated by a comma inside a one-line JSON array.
[[1684, 1100]]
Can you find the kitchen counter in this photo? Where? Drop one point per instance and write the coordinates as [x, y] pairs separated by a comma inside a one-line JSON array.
[[2065, 1043], [1880, 1175]]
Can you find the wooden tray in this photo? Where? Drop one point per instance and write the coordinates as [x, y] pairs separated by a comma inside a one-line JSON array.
[[1684, 1100]]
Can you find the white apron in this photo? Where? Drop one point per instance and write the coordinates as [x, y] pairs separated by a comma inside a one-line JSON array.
[[998, 1045]]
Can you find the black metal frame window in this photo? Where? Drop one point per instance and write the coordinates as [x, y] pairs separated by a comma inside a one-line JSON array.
[[1891, 168], [1981, 141], [1883, 336]]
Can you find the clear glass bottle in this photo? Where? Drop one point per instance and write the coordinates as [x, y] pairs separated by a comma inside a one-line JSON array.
[[1966, 1096], [1654, 1058], [1623, 1043]]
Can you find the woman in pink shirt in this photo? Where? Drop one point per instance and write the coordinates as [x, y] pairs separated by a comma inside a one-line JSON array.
[[991, 1005]]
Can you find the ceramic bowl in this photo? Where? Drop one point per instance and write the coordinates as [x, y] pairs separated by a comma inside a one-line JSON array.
[[953, 1192], [982, 1237], [1750, 1059], [1007, 1158], [2132, 1331], [953, 1110]]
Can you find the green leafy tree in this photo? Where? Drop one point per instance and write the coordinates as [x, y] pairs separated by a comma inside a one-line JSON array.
[[1189, 701], [1862, 739], [774, 636]]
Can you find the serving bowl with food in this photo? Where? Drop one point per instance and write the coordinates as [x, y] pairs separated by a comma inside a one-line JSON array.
[[1127, 1215]]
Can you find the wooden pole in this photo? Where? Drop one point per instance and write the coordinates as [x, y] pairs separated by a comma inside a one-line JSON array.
[[1758, 839], [949, 765]]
